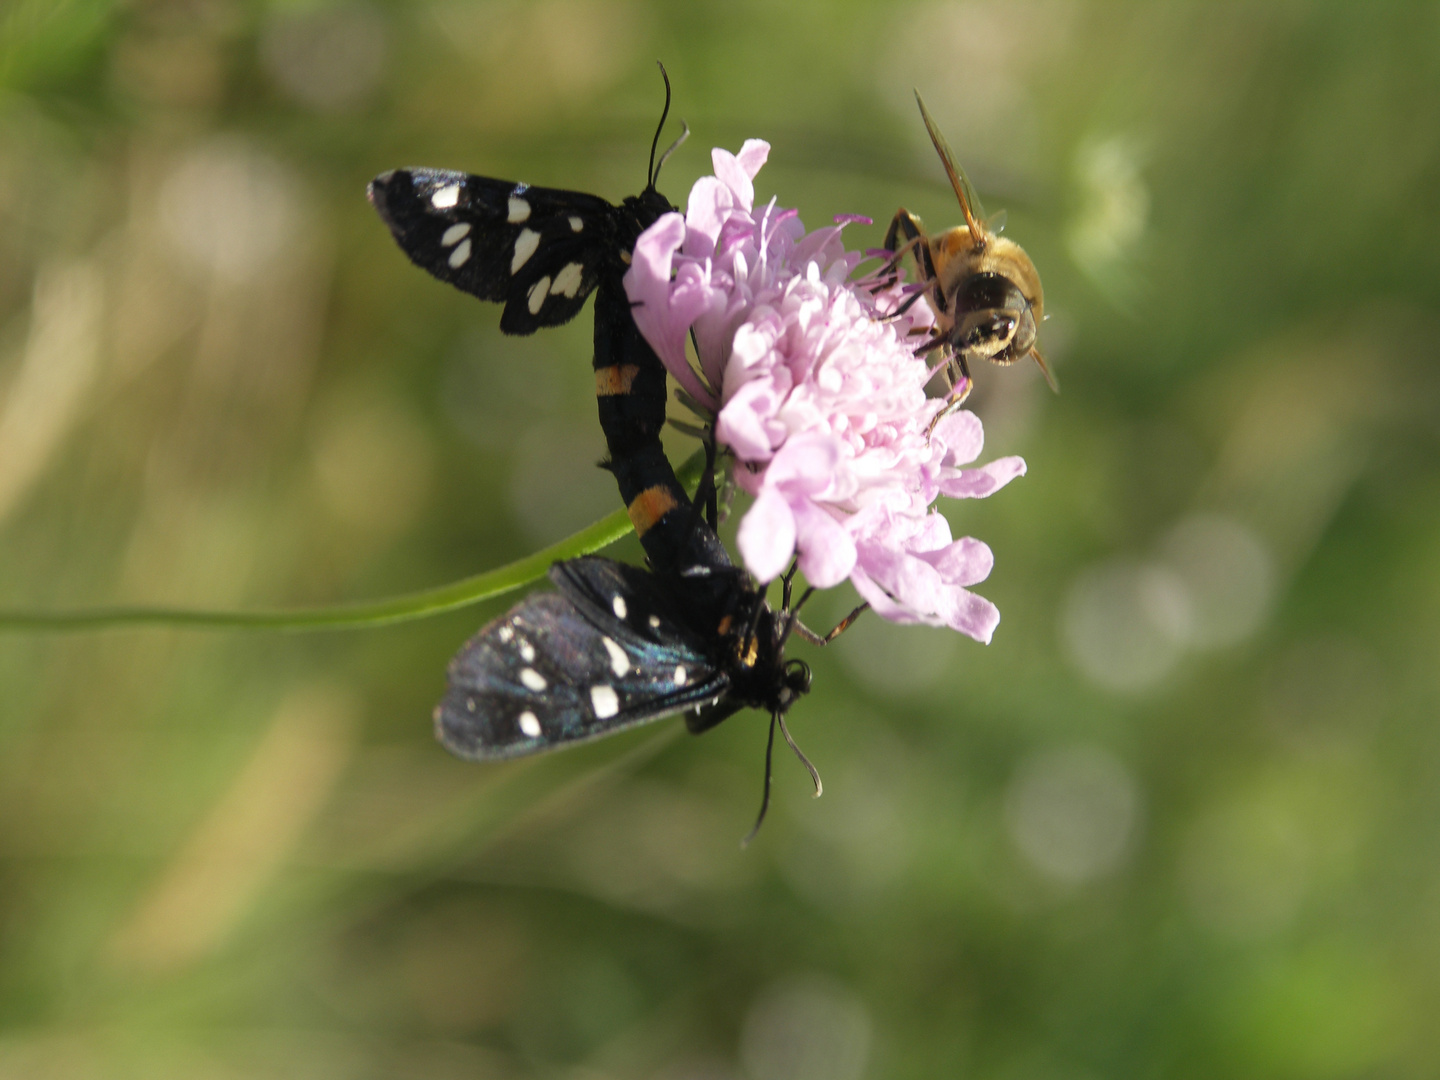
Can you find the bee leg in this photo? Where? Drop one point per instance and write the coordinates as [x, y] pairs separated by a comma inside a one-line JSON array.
[[909, 225], [929, 345], [887, 273], [903, 308], [959, 390]]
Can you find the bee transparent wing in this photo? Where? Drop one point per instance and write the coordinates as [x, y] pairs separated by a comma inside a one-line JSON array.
[[554, 671], [964, 190], [539, 251]]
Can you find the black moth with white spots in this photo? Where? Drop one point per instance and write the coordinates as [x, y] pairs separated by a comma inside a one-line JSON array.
[[539, 251], [615, 647]]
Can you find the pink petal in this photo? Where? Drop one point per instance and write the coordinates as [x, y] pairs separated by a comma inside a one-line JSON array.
[[918, 585], [975, 617], [647, 284], [827, 552], [767, 535], [965, 562], [931, 533], [730, 172], [742, 422], [963, 436], [753, 156], [884, 605], [986, 480], [710, 203], [806, 463]]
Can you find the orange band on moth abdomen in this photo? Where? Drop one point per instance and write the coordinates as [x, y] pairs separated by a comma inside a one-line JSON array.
[[648, 507], [616, 379]]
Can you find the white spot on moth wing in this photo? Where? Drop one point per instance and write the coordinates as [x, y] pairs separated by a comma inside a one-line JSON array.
[[567, 282], [532, 679], [619, 662], [681, 676], [505, 634], [527, 651], [455, 233], [576, 224], [459, 255], [654, 622], [525, 245], [529, 724], [538, 293], [618, 606], [519, 210], [446, 197], [604, 701]]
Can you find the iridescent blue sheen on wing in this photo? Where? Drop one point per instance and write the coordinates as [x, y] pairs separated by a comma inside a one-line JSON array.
[[605, 653]]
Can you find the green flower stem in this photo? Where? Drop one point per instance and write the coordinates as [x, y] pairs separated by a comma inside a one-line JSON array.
[[416, 605]]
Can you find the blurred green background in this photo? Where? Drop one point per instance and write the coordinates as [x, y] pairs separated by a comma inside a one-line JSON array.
[[1181, 819]]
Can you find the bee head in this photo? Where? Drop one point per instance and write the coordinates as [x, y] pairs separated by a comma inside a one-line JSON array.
[[996, 303]]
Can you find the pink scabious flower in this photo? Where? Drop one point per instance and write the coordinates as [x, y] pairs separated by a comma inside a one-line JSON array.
[[813, 383]]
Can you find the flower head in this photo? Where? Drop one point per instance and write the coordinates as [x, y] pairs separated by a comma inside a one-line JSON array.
[[814, 385]]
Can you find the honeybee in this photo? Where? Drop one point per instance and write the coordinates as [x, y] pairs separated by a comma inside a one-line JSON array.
[[983, 288]]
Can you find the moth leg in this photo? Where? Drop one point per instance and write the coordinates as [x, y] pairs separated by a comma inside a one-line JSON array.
[[712, 495], [787, 581], [804, 633], [704, 494]]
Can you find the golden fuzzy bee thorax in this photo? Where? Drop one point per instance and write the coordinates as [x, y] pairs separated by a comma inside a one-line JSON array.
[[957, 257]]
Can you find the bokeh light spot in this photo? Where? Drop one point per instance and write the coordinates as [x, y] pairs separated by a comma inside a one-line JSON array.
[[1123, 623], [1228, 574], [809, 1028], [1072, 812], [328, 60], [229, 208]]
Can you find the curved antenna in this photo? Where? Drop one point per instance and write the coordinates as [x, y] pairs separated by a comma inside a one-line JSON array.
[[814, 772], [964, 190], [1045, 370], [764, 799], [684, 134], [655, 142]]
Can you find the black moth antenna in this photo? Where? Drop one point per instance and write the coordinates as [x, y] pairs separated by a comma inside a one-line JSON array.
[[777, 716], [652, 176], [651, 173]]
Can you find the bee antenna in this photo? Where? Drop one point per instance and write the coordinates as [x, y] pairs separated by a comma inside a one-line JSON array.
[[652, 172], [1045, 370], [764, 799]]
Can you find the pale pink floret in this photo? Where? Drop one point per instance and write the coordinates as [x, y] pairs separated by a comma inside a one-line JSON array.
[[821, 399]]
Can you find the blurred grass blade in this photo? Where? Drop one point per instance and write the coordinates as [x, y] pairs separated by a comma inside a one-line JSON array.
[[416, 605]]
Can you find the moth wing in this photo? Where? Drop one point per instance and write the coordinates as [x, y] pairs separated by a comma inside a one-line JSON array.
[[633, 603], [539, 251], [549, 673]]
